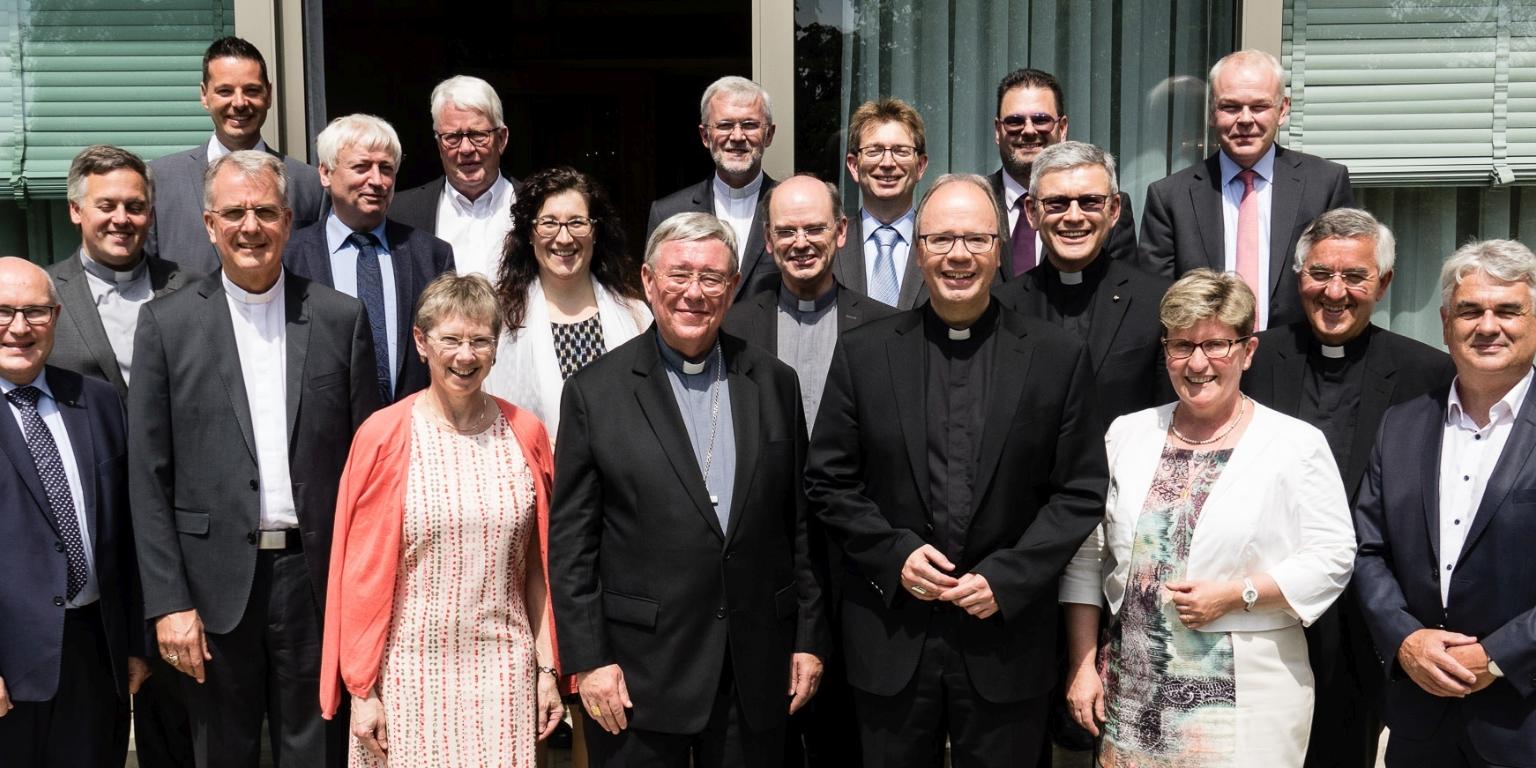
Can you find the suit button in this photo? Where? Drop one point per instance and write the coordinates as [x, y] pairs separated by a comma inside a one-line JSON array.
[[58, 546], [720, 613], [255, 485], [251, 537], [59, 601], [728, 555]]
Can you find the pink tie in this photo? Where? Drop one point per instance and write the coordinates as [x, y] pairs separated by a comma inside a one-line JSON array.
[[1248, 233]]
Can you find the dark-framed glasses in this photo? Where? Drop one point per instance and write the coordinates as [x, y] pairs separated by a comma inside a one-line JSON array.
[[1043, 122], [1214, 349], [728, 127], [1354, 279], [975, 242], [450, 344], [900, 152], [32, 314], [235, 214], [477, 139], [791, 234], [711, 284], [1058, 204], [578, 226]]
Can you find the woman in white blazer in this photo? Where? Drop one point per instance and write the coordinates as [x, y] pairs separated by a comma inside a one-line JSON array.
[[1226, 531]]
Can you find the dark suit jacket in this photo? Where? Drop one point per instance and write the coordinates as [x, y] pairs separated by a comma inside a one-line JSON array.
[[1182, 228], [80, 341], [1125, 339], [1492, 593], [192, 469], [1122, 239], [417, 258], [178, 234], [755, 319], [417, 206], [33, 566], [1040, 491], [641, 574], [755, 259], [849, 269]]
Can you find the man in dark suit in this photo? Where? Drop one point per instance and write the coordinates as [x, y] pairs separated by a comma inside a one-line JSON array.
[[736, 126], [1339, 373], [355, 250], [237, 95], [1031, 115], [1243, 208], [247, 387], [689, 608], [100, 292], [1106, 302], [1443, 573], [470, 205], [887, 156], [73, 646], [958, 462]]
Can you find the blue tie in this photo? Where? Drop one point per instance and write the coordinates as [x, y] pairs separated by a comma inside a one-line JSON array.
[[883, 288], [370, 289], [45, 458]]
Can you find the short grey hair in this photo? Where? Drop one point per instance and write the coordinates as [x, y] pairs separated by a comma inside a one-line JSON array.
[[692, 227], [101, 160], [739, 89], [468, 296], [1504, 260], [1068, 155], [367, 132], [251, 164], [1348, 224], [977, 181], [1253, 56], [467, 92]]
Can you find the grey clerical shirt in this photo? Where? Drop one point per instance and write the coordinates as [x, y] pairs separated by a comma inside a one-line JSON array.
[[118, 297], [698, 387], [807, 335]]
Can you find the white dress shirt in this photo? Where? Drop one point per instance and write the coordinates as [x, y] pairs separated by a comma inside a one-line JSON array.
[[1012, 191], [344, 276], [476, 228], [1468, 454], [261, 333], [118, 295], [217, 150], [1231, 198], [48, 411], [736, 207], [904, 225]]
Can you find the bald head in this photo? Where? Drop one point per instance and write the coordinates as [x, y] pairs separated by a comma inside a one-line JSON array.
[[804, 229], [25, 346]]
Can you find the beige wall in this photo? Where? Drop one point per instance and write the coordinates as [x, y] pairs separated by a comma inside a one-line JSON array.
[[773, 66], [276, 27]]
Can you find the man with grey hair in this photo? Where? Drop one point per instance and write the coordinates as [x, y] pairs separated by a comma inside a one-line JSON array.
[[735, 126], [1339, 372], [470, 205], [958, 462], [1443, 573], [680, 564], [356, 250], [1244, 207], [247, 387]]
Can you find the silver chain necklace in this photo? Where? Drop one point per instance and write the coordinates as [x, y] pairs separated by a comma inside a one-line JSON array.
[[714, 417]]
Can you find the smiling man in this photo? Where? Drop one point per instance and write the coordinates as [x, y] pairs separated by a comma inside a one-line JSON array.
[[887, 155], [1243, 208], [236, 94], [356, 250], [958, 463]]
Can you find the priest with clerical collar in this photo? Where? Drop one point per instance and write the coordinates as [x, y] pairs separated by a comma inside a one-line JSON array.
[[1339, 372]]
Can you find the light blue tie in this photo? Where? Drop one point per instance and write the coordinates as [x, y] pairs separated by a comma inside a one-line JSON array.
[[883, 287]]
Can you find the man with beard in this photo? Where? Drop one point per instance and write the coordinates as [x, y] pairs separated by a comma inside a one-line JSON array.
[[887, 155]]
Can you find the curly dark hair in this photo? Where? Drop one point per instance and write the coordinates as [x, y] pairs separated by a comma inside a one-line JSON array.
[[612, 265]]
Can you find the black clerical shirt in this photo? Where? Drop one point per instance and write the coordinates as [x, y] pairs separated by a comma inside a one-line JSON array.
[[958, 365], [1330, 392], [1070, 304]]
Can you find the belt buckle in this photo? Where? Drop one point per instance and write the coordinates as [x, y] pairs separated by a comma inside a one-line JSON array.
[[272, 539]]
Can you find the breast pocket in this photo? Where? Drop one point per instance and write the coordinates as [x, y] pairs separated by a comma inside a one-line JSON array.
[[327, 380], [192, 522]]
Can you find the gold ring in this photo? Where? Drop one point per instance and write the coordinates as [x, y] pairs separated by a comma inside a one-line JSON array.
[[597, 711], [172, 657], [917, 590]]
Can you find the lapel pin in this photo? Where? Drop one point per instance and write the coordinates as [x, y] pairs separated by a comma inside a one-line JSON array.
[[1116, 297]]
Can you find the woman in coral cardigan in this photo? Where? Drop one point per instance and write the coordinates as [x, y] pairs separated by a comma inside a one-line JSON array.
[[437, 618]]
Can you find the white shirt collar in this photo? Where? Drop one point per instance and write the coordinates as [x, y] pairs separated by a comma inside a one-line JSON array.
[[1265, 167], [337, 232], [725, 191], [216, 149], [1012, 191], [498, 192], [1506, 407], [246, 297], [41, 382], [904, 224]]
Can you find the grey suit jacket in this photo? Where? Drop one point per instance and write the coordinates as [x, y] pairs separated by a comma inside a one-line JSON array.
[[192, 454], [80, 341], [700, 198], [178, 234], [849, 269], [417, 206], [1122, 239]]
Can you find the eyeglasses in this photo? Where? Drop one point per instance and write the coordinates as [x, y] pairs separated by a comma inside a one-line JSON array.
[[1058, 204], [235, 214], [34, 314], [728, 127], [975, 242], [550, 227], [811, 233], [900, 152], [1043, 122], [477, 139], [1214, 349], [711, 284], [450, 344], [1354, 279]]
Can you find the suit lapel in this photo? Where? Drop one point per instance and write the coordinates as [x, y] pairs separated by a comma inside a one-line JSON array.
[[1283, 203], [77, 424], [1375, 397], [80, 310], [1514, 463], [849, 266], [850, 310], [1004, 389], [13, 448], [216, 308], [164, 276], [403, 259], [659, 405], [1289, 372], [1429, 470], [1205, 197], [912, 283], [1111, 302], [907, 357], [296, 333], [745, 417]]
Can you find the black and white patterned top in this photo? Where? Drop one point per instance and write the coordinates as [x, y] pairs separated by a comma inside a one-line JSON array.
[[577, 344]]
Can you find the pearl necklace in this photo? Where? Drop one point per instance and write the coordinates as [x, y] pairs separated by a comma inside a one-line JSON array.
[[1242, 405]]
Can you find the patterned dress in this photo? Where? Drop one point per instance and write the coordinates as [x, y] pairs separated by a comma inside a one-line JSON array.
[[577, 344], [457, 678]]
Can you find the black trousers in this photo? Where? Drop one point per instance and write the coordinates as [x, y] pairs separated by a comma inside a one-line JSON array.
[[85, 723], [267, 667], [1448, 747], [1346, 719], [822, 733], [910, 728], [162, 734]]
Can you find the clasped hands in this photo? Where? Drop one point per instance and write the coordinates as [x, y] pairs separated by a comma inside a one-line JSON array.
[[925, 576], [1445, 663]]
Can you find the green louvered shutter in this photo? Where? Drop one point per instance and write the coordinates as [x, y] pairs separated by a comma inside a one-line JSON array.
[[10, 94], [121, 72]]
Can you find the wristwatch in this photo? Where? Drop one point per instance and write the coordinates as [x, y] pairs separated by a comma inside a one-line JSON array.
[[1250, 594]]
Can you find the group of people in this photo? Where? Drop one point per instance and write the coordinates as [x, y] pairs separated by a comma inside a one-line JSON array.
[[403, 476]]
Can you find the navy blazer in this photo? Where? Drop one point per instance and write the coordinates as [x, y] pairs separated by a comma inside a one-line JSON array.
[[1493, 590], [33, 567], [417, 258]]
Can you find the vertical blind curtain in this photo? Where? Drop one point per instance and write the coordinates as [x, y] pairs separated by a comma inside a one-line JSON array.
[[85, 72], [1133, 72], [1441, 92]]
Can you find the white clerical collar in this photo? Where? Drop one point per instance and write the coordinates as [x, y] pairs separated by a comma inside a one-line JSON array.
[[748, 190], [216, 148], [246, 297], [959, 334], [109, 275], [1070, 278], [1331, 352]]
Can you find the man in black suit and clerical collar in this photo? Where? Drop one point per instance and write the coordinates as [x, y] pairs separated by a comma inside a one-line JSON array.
[[1339, 373], [1074, 203], [1031, 115]]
